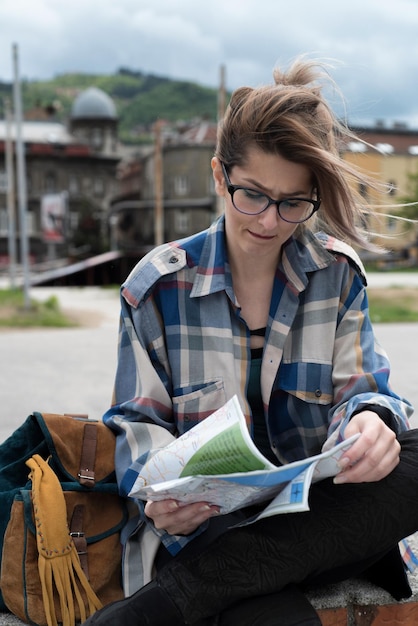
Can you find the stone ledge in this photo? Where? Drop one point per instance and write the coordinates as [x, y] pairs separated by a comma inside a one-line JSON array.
[[357, 602], [357, 615]]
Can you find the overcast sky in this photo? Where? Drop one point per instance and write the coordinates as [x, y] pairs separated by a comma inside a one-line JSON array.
[[373, 43]]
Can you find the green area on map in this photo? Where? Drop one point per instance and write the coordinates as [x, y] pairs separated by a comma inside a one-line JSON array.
[[225, 453]]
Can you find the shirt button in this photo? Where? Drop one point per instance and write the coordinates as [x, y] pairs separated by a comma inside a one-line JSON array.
[[318, 393], [173, 259]]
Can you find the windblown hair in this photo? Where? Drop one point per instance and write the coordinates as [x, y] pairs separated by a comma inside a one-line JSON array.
[[291, 118]]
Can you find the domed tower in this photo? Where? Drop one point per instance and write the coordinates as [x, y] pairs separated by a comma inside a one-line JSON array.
[[94, 121]]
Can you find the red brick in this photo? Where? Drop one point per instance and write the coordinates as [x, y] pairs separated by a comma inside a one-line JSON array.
[[333, 617], [387, 615]]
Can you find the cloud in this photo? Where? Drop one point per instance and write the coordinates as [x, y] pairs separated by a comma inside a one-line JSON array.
[[374, 43]]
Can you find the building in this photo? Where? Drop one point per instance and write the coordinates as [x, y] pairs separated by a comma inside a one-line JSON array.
[[167, 191], [70, 179], [390, 155], [87, 193]]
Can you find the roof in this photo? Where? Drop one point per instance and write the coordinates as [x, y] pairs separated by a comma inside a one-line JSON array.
[[93, 103], [385, 140], [204, 132], [39, 132]]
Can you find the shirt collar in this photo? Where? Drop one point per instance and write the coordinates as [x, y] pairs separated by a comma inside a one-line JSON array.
[[212, 273], [302, 253]]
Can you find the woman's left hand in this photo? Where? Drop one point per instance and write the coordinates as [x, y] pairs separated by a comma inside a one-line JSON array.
[[375, 453]]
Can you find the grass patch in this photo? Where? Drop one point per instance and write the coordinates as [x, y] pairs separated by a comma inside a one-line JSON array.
[[14, 314], [394, 304], [387, 305]]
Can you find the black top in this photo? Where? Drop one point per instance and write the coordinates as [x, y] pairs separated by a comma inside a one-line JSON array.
[[259, 434]]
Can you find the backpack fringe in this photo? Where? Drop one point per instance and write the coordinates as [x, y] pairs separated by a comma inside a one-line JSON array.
[[59, 566]]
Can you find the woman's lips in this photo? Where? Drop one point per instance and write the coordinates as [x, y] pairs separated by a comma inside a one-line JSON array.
[[258, 236]]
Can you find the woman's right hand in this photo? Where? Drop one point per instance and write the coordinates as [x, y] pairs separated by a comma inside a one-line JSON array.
[[177, 518]]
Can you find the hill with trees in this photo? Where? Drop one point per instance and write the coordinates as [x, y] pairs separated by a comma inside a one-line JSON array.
[[140, 99]]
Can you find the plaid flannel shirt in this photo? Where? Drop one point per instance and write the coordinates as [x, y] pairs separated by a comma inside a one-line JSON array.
[[184, 350]]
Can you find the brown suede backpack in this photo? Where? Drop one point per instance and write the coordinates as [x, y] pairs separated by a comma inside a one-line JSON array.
[[60, 520]]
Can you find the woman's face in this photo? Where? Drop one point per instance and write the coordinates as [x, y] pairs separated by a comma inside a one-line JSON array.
[[271, 174]]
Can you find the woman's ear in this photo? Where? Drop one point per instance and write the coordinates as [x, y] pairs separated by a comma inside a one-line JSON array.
[[218, 176]]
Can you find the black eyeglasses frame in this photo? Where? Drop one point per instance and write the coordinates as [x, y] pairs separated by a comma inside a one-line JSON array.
[[233, 188]]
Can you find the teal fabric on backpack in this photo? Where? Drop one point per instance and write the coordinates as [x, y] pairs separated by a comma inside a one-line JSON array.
[[27, 440]]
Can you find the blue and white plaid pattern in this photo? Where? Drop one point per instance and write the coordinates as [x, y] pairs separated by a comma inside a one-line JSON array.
[[184, 349]]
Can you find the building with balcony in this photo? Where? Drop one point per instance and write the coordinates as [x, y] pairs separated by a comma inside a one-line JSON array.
[[70, 179]]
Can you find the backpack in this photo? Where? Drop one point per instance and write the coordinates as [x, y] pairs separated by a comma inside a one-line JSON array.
[[59, 512]]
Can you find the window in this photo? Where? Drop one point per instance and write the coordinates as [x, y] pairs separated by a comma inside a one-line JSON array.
[[30, 223], [392, 188], [362, 189], [50, 182], [181, 185], [73, 186], [211, 184], [357, 146], [73, 220], [4, 222], [385, 148], [391, 224], [97, 138], [182, 222], [98, 187], [3, 182]]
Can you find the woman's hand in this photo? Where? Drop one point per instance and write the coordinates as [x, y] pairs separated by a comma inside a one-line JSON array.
[[178, 519], [375, 453]]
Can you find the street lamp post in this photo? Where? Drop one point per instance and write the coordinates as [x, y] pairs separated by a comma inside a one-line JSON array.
[[11, 217], [21, 177]]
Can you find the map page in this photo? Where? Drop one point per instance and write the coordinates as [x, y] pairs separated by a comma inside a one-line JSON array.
[[217, 462]]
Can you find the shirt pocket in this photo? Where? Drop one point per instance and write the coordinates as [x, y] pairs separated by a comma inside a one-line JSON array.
[[196, 401], [307, 381]]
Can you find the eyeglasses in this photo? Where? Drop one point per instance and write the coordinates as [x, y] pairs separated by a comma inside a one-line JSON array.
[[252, 202]]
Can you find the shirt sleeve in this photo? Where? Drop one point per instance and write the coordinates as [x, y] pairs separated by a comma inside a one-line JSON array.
[[141, 411], [361, 370]]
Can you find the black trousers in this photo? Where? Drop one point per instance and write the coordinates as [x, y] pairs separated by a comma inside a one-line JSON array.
[[347, 529]]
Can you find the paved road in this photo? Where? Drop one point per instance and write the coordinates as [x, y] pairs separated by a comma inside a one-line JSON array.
[[61, 370]]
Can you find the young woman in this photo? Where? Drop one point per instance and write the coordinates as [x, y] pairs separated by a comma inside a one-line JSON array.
[[269, 304]]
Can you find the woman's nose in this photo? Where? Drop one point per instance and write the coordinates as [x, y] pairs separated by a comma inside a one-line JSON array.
[[269, 218]]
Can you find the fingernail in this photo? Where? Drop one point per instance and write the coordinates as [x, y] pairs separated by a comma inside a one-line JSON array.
[[205, 507], [343, 463], [339, 479]]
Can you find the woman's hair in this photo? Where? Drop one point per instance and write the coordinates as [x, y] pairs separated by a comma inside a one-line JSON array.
[[292, 118]]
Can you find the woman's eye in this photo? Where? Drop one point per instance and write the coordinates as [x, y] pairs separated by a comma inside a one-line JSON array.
[[290, 204], [251, 194]]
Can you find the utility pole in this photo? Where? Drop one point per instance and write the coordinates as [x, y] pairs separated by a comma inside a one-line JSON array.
[[221, 113], [158, 185], [221, 93], [21, 177], [10, 181]]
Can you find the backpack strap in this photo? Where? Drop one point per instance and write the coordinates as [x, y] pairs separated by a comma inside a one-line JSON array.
[[79, 537], [86, 474]]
